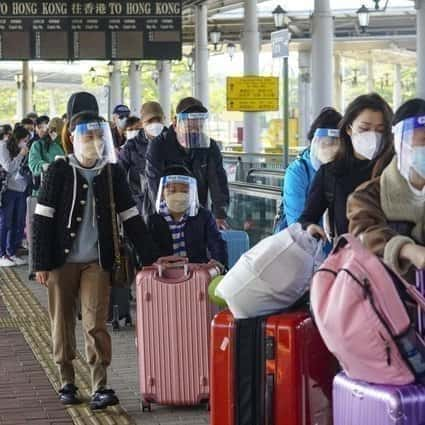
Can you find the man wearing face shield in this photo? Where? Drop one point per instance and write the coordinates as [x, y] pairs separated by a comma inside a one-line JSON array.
[[187, 143], [73, 250], [180, 225], [132, 156], [388, 212], [119, 119]]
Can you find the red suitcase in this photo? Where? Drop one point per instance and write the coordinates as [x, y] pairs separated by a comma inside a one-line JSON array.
[[173, 331], [270, 371]]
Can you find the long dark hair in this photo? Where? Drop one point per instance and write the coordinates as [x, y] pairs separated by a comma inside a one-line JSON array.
[[13, 143], [376, 103]]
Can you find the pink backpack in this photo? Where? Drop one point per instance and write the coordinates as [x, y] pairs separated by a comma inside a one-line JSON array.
[[357, 305]]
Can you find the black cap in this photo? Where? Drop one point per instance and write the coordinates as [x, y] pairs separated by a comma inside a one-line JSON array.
[[190, 104], [177, 170], [81, 101], [121, 110]]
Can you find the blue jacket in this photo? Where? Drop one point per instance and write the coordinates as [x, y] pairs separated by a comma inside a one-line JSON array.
[[296, 186], [201, 237]]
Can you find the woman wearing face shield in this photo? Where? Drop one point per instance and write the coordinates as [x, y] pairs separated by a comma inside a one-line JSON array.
[[132, 156], [299, 175], [388, 213], [73, 249], [366, 148]]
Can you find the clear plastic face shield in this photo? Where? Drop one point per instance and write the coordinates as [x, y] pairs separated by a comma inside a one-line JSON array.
[[179, 194], [93, 142], [409, 140], [324, 147], [192, 130]]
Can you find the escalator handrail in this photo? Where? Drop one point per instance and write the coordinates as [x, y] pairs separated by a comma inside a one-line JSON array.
[[266, 172], [258, 190]]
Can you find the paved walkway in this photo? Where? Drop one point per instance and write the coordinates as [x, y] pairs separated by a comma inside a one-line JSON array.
[[24, 325]]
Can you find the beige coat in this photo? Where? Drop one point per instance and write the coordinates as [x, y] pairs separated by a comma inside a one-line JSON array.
[[377, 204]]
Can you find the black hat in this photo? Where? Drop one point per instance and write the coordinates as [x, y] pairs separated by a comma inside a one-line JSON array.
[[190, 104], [177, 170], [81, 101], [121, 110]]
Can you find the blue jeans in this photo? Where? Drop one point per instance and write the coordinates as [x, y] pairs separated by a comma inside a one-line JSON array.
[[12, 221]]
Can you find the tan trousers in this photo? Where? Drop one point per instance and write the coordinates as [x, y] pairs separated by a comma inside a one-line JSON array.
[[93, 285]]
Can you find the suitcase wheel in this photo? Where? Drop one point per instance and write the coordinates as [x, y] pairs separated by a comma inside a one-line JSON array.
[[115, 325], [146, 406]]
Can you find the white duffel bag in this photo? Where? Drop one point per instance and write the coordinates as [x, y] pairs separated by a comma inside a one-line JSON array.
[[273, 275]]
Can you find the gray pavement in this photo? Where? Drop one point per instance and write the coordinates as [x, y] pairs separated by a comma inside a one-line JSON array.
[[123, 374]]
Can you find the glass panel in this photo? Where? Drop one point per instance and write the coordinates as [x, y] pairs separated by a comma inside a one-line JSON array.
[[252, 213]]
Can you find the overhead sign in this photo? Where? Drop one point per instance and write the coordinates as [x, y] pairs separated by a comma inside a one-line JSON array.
[[252, 94], [280, 43], [72, 30]]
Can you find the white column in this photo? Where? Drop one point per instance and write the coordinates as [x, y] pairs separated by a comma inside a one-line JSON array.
[[26, 90], [135, 88], [201, 54], [370, 77], [338, 82], [304, 94], [322, 55], [397, 98], [164, 88], [115, 91], [251, 49], [420, 48], [52, 105]]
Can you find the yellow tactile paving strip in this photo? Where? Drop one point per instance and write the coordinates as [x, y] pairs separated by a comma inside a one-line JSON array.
[[30, 317]]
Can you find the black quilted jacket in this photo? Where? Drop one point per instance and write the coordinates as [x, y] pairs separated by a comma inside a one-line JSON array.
[[59, 212]]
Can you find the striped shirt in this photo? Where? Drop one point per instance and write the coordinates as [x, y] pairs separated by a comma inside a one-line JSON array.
[[176, 229]]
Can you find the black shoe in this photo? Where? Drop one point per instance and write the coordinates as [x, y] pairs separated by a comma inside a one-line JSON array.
[[67, 394], [102, 399]]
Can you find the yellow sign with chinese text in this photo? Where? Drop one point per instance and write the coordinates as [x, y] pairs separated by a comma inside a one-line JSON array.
[[252, 94]]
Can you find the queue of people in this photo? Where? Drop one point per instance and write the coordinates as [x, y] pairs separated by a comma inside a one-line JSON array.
[[363, 172]]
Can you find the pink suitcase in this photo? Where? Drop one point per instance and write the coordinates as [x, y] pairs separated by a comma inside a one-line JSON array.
[[360, 403], [173, 331]]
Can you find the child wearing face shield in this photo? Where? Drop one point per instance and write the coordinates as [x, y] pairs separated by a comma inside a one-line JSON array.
[[73, 249], [387, 213], [324, 144], [366, 148], [180, 225]]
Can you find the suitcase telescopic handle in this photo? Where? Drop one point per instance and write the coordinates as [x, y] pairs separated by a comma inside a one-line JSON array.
[[173, 262]]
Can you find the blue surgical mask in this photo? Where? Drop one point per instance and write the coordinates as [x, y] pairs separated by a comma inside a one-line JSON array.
[[418, 160]]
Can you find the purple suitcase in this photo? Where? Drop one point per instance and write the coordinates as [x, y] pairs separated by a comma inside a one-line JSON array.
[[361, 403]]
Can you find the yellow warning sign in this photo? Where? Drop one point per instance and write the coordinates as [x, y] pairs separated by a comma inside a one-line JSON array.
[[252, 94]]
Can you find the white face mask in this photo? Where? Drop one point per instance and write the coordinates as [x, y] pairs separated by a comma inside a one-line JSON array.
[[367, 144], [121, 122], [154, 129], [90, 151], [22, 144], [53, 135], [178, 202], [131, 134], [418, 160]]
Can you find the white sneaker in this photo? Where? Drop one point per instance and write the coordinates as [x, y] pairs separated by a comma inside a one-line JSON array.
[[5, 262], [17, 260]]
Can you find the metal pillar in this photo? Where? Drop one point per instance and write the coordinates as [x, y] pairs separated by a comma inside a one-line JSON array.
[[338, 82], [397, 97], [135, 88], [322, 55], [26, 88], [304, 95], [370, 77], [251, 49], [164, 88], [420, 48], [201, 54], [115, 84]]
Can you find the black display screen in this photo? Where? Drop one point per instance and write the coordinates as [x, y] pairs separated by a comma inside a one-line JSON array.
[[72, 30]]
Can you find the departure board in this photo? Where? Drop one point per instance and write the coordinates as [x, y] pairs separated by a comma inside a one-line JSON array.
[[73, 30]]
